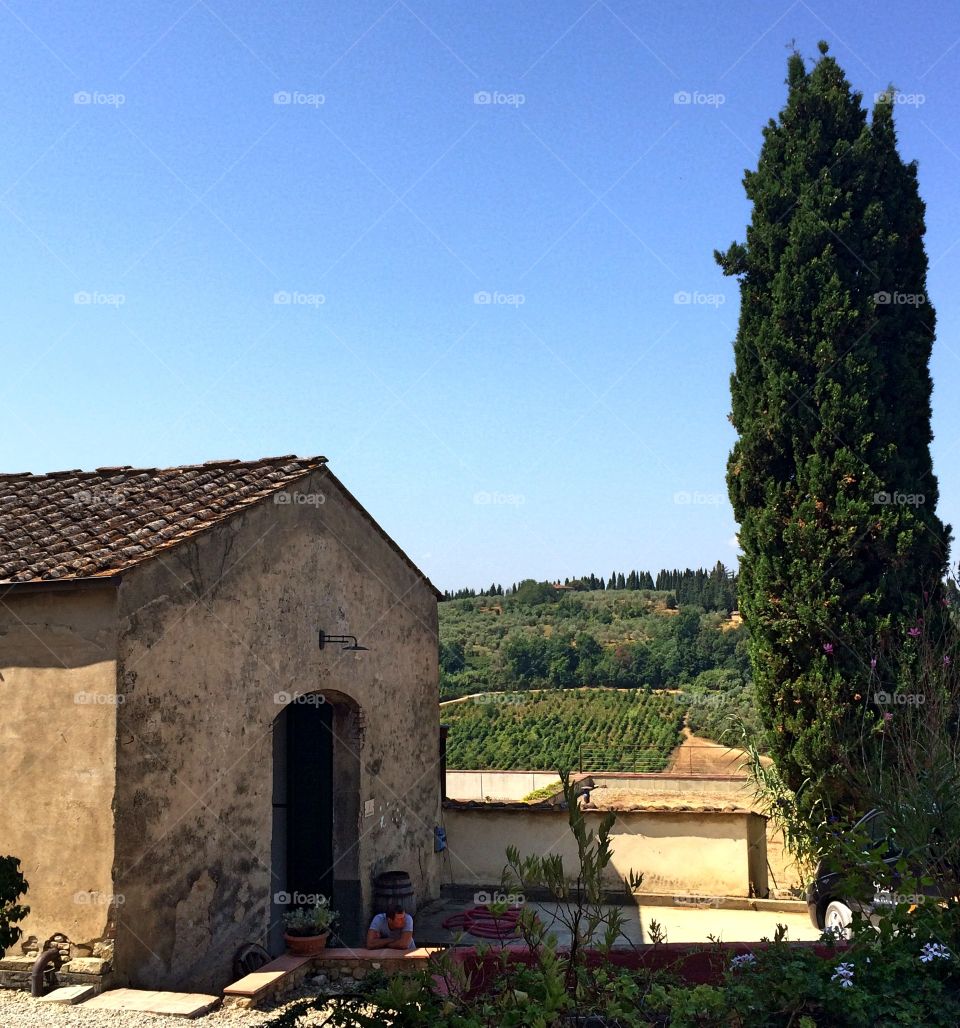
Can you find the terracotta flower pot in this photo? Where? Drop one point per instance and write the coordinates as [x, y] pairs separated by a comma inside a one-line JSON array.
[[306, 945]]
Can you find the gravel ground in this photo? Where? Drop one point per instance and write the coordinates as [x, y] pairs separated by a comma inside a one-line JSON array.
[[20, 1010]]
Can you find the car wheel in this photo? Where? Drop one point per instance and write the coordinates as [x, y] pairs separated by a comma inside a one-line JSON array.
[[837, 919]]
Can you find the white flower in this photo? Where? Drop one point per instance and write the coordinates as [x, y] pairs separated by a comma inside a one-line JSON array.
[[934, 951], [744, 960], [843, 975]]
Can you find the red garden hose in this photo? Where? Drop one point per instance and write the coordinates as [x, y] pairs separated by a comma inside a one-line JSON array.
[[484, 924]]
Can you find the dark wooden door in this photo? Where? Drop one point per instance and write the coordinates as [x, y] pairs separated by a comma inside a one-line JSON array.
[[309, 800]]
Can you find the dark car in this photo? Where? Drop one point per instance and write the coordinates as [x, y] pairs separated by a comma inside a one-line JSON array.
[[829, 900]]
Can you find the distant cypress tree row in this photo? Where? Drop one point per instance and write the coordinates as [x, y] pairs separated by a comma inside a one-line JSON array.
[[714, 590]]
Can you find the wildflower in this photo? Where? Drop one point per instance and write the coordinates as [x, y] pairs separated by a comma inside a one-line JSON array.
[[856, 696], [888, 717], [934, 951], [828, 648], [873, 663], [946, 659], [843, 975], [913, 632], [743, 960]]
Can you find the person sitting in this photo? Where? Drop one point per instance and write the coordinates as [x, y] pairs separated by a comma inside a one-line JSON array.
[[393, 929]]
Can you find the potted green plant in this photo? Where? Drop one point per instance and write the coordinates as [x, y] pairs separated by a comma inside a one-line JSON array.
[[306, 929]]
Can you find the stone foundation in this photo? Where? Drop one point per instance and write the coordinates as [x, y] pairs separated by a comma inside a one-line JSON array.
[[15, 973], [337, 968]]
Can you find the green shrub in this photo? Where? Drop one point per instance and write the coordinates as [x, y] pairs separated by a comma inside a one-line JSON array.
[[12, 886]]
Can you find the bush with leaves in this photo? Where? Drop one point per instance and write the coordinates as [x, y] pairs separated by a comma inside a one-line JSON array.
[[12, 886]]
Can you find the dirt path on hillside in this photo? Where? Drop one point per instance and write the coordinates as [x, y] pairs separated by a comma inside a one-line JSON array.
[[699, 756]]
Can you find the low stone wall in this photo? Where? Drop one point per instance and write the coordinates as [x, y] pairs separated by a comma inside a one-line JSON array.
[[16, 972], [496, 785], [698, 790], [355, 968], [511, 786], [681, 853], [736, 787]]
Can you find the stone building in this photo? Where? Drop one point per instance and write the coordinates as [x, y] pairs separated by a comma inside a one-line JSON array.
[[180, 755]]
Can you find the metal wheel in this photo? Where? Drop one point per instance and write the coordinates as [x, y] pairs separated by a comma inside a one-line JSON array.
[[249, 958]]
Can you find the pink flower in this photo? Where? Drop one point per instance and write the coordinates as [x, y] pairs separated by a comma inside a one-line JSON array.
[[828, 647], [888, 717], [914, 632], [946, 659], [873, 663]]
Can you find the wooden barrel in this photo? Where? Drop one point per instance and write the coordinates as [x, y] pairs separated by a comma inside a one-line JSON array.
[[392, 888]]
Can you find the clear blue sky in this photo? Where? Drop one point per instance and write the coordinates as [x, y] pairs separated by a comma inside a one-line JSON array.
[[185, 191]]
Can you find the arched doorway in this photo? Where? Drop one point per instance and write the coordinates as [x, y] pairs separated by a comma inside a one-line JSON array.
[[316, 811]]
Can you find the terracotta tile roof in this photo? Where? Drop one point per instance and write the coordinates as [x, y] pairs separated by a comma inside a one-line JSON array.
[[87, 524]]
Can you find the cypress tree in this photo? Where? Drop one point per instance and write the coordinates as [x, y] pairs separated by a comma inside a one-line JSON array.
[[831, 478]]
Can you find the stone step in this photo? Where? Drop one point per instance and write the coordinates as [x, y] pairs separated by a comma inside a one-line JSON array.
[[253, 986], [177, 1004], [68, 995]]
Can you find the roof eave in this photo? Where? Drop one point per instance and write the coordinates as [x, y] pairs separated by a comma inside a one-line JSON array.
[[52, 585]]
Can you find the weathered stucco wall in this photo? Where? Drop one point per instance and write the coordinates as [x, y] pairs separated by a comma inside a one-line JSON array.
[[678, 852], [57, 755], [497, 785], [215, 639]]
